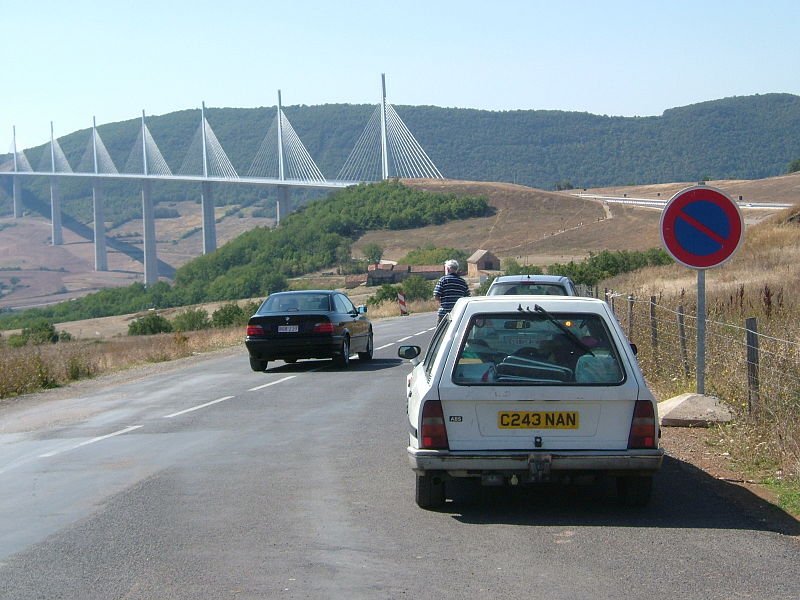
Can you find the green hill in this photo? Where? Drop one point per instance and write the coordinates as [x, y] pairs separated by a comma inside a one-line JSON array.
[[259, 261]]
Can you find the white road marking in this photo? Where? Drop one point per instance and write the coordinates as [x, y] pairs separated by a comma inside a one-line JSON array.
[[261, 387], [408, 337], [91, 441], [384, 346], [422, 332], [198, 407]]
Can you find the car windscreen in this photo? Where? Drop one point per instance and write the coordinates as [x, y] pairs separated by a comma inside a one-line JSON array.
[[532, 348], [541, 289]]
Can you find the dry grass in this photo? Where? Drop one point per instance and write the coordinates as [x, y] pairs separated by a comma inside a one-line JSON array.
[[530, 225], [32, 368], [759, 282]]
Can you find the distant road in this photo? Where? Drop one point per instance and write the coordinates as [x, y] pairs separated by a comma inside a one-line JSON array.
[[203, 479], [660, 204]]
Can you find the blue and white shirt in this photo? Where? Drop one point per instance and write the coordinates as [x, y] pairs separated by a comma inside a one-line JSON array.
[[449, 289]]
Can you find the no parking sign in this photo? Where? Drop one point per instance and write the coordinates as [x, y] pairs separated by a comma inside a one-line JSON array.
[[701, 227]]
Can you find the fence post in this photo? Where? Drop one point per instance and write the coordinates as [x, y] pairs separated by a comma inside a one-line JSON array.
[[605, 294], [653, 324], [630, 316], [751, 325], [682, 336]]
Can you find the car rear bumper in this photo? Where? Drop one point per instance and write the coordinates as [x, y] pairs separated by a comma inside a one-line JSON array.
[[326, 347], [467, 464]]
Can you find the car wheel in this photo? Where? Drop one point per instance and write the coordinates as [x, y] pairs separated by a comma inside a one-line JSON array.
[[635, 490], [430, 491], [367, 354], [257, 364], [343, 360]]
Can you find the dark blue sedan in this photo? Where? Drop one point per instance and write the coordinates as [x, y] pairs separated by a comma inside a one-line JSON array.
[[308, 324]]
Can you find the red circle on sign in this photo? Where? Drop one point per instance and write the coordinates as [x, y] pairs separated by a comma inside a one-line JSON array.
[[701, 227]]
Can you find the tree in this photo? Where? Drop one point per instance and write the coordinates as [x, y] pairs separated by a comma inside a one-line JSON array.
[[373, 252], [150, 324], [41, 331], [191, 320], [417, 288], [794, 166], [387, 292], [512, 267], [229, 315]]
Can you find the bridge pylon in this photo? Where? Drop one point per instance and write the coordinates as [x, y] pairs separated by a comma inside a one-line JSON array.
[[98, 212], [148, 219], [56, 236], [206, 195], [15, 182]]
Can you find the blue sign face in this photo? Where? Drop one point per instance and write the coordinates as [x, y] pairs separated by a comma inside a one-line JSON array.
[[701, 227]]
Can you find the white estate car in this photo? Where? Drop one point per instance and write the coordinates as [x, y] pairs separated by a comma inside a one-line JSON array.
[[523, 389]]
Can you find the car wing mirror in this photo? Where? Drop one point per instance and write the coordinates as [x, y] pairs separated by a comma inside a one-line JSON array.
[[362, 309], [634, 348], [409, 352]]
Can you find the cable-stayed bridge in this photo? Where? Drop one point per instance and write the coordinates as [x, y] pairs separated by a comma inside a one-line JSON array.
[[386, 148]]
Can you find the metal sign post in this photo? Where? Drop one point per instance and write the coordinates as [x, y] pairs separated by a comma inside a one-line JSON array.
[[701, 227], [701, 331]]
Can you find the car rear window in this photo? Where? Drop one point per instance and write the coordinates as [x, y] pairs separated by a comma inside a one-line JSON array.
[[295, 302], [542, 289], [535, 349]]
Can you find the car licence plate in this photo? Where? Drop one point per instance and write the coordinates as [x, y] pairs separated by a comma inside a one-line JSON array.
[[288, 328], [522, 419]]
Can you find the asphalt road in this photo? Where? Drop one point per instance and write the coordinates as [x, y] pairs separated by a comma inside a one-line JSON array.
[[203, 479]]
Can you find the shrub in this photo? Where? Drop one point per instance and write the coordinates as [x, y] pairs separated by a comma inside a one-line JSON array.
[[417, 288], [387, 292], [229, 315], [149, 325], [512, 267], [191, 320], [40, 331]]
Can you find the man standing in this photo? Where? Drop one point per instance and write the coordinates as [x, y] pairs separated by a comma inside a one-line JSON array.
[[449, 288]]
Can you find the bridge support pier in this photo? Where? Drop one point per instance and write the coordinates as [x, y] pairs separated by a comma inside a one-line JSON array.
[[17, 194], [56, 237], [209, 225], [282, 205], [149, 236], [100, 255]]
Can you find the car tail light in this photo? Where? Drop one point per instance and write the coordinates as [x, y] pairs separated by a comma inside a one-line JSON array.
[[434, 434], [323, 328], [254, 330], [643, 426]]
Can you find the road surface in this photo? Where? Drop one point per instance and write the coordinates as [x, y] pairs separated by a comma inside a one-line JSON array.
[[203, 479]]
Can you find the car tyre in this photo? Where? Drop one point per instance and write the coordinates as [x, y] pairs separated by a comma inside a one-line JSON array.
[[343, 360], [367, 354], [258, 365], [635, 490], [430, 491]]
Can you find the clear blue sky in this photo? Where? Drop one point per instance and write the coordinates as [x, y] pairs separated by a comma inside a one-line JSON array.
[[66, 61]]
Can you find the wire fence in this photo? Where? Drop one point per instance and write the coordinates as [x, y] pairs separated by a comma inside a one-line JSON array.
[[749, 367]]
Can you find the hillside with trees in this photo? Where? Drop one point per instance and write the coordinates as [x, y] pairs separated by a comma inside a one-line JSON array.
[[260, 261], [748, 137]]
